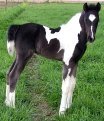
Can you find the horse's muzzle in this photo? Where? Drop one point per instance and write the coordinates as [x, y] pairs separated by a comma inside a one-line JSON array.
[[90, 39]]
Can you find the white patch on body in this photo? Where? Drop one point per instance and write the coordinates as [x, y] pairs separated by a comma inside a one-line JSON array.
[[67, 36], [10, 100], [68, 86], [10, 47], [92, 17], [70, 93]]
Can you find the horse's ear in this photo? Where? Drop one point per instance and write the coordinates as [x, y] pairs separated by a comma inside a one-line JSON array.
[[85, 7], [98, 6]]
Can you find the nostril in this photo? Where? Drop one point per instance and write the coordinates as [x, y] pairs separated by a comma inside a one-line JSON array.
[[90, 38]]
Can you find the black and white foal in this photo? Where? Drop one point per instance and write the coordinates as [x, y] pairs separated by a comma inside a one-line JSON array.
[[66, 43]]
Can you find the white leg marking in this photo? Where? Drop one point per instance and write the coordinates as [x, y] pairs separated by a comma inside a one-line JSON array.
[[68, 86], [63, 99], [65, 90], [7, 93], [70, 93], [10, 101]]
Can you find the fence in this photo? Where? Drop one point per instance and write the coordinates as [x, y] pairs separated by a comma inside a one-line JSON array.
[[41, 1]]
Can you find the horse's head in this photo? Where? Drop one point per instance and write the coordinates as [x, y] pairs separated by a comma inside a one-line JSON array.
[[91, 19]]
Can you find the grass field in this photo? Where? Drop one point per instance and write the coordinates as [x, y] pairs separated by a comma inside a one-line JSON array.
[[39, 89]]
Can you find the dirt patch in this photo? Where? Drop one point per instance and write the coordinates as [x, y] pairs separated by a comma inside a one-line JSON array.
[[42, 110]]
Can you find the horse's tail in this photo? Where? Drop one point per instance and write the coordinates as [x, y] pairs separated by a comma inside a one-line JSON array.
[[11, 38]]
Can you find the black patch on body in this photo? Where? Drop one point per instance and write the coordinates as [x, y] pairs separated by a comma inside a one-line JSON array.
[[32, 37], [50, 50], [79, 48], [55, 30]]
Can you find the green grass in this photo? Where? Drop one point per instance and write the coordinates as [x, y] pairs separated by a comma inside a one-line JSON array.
[[39, 89]]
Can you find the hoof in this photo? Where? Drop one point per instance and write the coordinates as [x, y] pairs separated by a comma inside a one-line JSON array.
[[61, 113], [68, 106], [10, 103]]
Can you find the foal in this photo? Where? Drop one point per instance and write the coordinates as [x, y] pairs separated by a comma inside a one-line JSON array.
[[66, 43]]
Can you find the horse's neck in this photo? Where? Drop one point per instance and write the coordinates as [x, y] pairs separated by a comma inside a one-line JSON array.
[[76, 27], [82, 38], [73, 25], [74, 19], [81, 21], [82, 35]]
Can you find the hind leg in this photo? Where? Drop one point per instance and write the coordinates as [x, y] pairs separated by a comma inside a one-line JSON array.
[[7, 84], [13, 76]]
